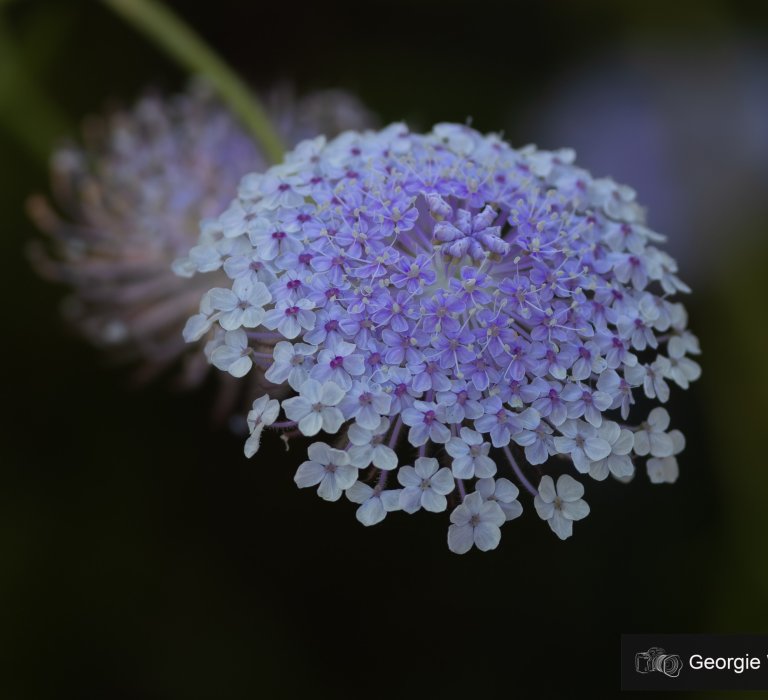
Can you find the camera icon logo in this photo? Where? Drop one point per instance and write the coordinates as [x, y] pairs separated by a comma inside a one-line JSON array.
[[656, 659]]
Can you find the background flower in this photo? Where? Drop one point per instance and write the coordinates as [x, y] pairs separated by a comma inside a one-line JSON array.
[[132, 195]]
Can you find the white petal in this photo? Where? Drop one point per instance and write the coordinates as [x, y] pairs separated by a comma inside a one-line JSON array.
[[296, 407], [625, 443], [596, 448], [358, 435], [460, 538], [407, 476], [544, 509], [360, 455], [331, 394], [443, 482], [223, 299], [485, 487], [491, 512], [678, 441], [463, 467], [575, 510], [196, 327], [426, 466], [309, 474], [319, 452], [346, 475], [271, 411], [568, 488], [661, 444], [332, 418], [359, 492], [560, 525], [658, 418], [410, 499], [485, 467], [564, 445], [390, 499], [461, 515], [371, 512], [642, 444], [470, 437], [487, 536], [456, 447], [439, 433], [253, 442], [384, 457], [599, 470], [311, 391], [368, 418], [506, 491], [547, 489], [609, 431], [433, 501], [529, 418], [329, 489], [310, 424], [240, 367], [512, 510]]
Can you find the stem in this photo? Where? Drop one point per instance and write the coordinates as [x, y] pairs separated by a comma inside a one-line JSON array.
[[519, 473], [284, 424], [180, 41], [395, 433]]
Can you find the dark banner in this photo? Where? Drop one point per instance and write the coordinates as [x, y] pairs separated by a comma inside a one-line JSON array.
[[694, 662]]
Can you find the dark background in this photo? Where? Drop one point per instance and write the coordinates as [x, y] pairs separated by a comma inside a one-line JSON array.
[[141, 556]]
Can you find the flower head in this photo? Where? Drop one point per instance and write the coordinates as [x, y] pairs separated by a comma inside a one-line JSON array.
[[455, 304], [135, 192]]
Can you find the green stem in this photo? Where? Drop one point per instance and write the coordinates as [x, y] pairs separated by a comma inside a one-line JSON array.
[[188, 48]]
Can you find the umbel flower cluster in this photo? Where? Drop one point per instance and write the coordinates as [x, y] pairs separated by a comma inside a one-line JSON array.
[[454, 319], [133, 194]]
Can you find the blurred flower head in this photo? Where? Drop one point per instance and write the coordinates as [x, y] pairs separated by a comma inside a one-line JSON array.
[[460, 318], [131, 197]]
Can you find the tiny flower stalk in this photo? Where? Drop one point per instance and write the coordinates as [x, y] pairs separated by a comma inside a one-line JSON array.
[[463, 320]]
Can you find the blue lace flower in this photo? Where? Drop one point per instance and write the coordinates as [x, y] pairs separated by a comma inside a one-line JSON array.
[[484, 313]]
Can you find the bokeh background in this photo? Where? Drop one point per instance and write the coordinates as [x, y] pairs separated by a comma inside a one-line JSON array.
[[141, 556]]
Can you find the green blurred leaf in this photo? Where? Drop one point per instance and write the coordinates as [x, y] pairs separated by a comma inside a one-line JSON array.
[[26, 112]]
